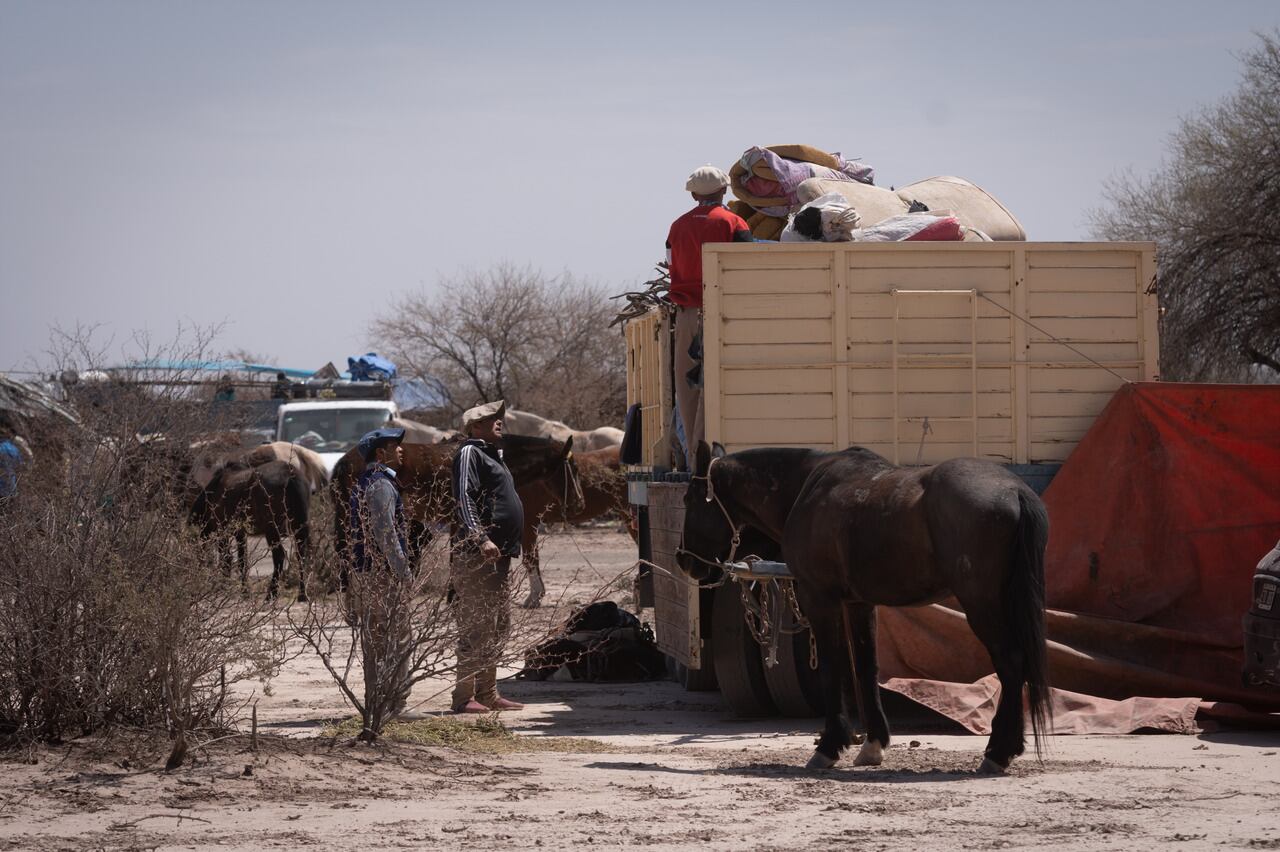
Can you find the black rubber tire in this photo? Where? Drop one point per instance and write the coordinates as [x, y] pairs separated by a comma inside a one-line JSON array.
[[738, 664], [697, 680], [796, 689]]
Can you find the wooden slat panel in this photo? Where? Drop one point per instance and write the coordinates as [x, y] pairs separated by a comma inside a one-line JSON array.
[[984, 280], [778, 353], [1099, 329], [880, 380], [880, 305], [1103, 280], [930, 405], [773, 405], [1080, 378], [787, 282], [1068, 404], [677, 628], [1048, 429], [1038, 259], [880, 353], [1042, 452], [816, 380], [931, 331], [779, 430], [770, 259], [935, 453], [776, 306], [746, 331], [1101, 352], [880, 430], [895, 258], [1049, 304]]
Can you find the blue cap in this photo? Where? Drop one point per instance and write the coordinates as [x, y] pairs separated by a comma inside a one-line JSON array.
[[377, 438]]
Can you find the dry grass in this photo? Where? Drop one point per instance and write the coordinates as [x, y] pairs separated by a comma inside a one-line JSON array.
[[479, 735]]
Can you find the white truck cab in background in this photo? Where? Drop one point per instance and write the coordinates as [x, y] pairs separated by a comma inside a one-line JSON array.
[[331, 427]]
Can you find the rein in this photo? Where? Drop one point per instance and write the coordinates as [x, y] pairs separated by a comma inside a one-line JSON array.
[[571, 478], [737, 529]]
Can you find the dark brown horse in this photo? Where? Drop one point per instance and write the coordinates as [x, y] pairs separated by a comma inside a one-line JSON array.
[[271, 500], [604, 492], [857, 532], [425, 479]]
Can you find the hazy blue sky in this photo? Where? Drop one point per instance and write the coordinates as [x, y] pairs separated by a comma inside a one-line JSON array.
[[291, 167]]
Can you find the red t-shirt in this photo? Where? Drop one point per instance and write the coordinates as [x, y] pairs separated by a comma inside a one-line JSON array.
[[705, 223]]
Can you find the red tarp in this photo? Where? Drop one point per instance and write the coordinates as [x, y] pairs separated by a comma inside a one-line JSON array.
[[1156, 520]]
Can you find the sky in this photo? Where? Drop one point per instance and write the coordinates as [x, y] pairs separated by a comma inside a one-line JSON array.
[[287, 170]]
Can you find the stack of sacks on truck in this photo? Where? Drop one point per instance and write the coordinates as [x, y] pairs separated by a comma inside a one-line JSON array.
[[772, 183]]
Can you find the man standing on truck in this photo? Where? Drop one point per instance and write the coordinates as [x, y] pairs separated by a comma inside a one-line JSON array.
[[487, 525], [709, 222]]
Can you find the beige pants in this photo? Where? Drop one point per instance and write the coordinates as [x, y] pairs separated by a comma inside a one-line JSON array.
[[378, 607], [482, 607], [688, 396]]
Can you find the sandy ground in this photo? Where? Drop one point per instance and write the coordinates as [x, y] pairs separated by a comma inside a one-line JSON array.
[[658, 768]]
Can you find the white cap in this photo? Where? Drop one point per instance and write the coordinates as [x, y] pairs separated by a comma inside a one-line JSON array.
[[707, 180]]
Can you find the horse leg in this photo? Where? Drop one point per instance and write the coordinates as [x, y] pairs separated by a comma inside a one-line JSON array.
[[532, 566], [242, 550], [861, 619], [277, 564], [1007, 739], [835, 670], [301, 548]]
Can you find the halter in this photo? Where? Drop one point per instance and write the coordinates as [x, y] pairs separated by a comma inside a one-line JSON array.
[[737, 529]]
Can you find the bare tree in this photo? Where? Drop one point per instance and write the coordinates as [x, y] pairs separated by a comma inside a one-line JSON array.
[[539, 342], [1214, 210]]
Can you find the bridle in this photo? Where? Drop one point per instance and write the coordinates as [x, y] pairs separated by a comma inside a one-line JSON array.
[[571, 479], [736, 540]]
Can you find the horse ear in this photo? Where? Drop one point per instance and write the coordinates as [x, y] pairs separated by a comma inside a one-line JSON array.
[[702, 459], [568, 448], [718, 451]]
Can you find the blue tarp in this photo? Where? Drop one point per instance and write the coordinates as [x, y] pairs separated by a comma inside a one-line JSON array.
[[369, 367]]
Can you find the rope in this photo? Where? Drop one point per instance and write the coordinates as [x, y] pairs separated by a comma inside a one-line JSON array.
[[1054, 338]]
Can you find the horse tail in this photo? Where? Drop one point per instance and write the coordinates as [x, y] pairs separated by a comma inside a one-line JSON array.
[[339, 493], [1024, 602]]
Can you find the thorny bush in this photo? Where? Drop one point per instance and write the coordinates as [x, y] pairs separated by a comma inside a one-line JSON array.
[[113, 611]]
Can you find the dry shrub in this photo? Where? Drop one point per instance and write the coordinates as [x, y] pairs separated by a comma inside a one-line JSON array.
[[114, 611]]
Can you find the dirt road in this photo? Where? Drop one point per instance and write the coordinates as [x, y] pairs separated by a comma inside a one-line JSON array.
[[644, 765]]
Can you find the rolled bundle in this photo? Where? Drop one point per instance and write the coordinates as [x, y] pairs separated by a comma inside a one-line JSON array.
[[766, 181], [974, 206]]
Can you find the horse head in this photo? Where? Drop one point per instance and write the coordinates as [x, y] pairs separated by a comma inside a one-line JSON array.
[[548, 459], [709, 537]]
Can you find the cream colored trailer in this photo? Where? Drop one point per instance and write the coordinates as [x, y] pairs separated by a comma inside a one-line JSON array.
[[919, 351]]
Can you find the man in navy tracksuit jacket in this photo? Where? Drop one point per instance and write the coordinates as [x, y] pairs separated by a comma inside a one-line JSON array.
[[487, 525]]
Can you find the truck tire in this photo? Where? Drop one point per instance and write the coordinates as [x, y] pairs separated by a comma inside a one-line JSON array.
[[796, 689], [738, 665]]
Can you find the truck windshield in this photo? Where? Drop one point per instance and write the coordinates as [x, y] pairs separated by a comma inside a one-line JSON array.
[[331, 430]]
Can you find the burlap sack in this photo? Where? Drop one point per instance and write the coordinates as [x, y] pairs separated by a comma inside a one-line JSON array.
[[873, 203], [973, 206]]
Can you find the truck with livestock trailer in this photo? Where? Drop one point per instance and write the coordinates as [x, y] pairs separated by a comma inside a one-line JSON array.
[[919, 351]]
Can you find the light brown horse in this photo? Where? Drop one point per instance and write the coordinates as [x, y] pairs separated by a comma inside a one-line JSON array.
[[604, 492]]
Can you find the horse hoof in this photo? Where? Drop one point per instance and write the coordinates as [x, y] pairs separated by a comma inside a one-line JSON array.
[[531, 603], [871, 754], [819, 761], [990, 767], [302, 597]]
